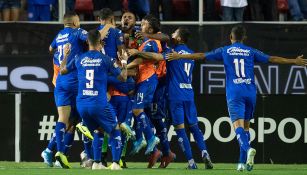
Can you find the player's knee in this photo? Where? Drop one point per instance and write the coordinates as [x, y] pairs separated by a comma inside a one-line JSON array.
[[137, 112], [181, 126]]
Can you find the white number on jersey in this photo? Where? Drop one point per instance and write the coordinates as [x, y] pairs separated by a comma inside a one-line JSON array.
[[90, 77], [239, 65], [61, 53], [187, 68]]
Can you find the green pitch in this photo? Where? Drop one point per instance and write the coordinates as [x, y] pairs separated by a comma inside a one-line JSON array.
[[35, 168]]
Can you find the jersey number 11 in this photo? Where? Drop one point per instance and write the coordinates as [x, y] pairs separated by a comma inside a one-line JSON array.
[[239, 65]]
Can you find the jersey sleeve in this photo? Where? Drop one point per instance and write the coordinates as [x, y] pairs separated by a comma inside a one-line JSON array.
[[151, 46], [167, 50], [215, 55], [53, 44], [112, 67], [82, 34], [119, 38], [261, 57]]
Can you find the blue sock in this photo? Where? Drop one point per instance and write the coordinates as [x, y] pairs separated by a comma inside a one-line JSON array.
[[97, 143], [162, 134], [68, 140], [138, 130], [60, 128], [52, 142], [145, 125], [88, 147], [116, 145], [248, 136], [198, 137], [243, 154], [242, 139], [184, 143]]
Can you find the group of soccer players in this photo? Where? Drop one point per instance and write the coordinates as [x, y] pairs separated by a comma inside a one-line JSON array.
[[129, 73]]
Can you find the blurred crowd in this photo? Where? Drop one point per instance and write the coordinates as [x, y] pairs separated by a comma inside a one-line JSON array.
[[166, 10]]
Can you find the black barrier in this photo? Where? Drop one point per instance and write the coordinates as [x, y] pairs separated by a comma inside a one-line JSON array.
[[7, 134], [279, 130]]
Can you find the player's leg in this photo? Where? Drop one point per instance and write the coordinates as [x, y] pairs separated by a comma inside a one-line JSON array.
[[177, 114], [191, 115], [97, 144], [47, 154]]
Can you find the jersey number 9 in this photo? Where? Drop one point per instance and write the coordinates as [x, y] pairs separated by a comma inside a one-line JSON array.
[[90, 77]]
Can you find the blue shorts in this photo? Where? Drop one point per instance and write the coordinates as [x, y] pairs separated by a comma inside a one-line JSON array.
[[145, 92], [65, 95], [157, 109], [95, 116], [9, 4], [181, 111], [39, 12], [241, 108], [122, 106]]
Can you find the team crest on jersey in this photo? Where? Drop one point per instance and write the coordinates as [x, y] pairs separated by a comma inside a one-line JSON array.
[[86, 61], [238, 51]]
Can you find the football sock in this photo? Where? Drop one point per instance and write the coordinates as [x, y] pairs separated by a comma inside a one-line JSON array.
[[116, 145], [52, 142], [198, 137], [60, 131], [161, 132], [145, 125], [184, 143], [68, 140], [242, 138], [138, 130], [97, 143], [124, 145], [88, 147]]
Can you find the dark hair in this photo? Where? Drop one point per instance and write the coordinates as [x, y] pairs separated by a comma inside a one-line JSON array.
[[105, 13], [153, 22], [69, 15], [239, 32], [93, 37], [184, 34]]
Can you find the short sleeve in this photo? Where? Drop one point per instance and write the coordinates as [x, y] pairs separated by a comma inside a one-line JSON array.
[[215, 55], [167, 50], [119, 38], [53, 44], [261, 57], [82, 34]]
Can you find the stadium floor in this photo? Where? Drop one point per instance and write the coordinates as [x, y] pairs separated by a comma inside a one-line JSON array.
[[37, 168]]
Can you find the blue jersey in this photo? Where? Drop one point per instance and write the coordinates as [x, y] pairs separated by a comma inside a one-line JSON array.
[[239, 66], [76, 37], [113, 39], [93, 69], [179, 76]]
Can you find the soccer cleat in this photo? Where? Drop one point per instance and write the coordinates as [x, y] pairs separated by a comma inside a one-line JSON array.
[[104, 156], [57, 164], [151, 144], [166, 160], [63, 160], [47, 156], [127, 130], [241, 167], [250, 159], [138, 145], [98, 166], [115, 166], [192, 166], [208, 162], [153, 158], [122, 162], [84, 130]]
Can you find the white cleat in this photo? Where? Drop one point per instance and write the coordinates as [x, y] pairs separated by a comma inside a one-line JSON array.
[[250, 159], [115, 166], [57, 164], [98, 166], [241, 167]]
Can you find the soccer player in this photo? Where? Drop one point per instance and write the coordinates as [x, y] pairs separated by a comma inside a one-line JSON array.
[[181, 97], [146, 85], [93, 68], [66, 85], [240, 84]]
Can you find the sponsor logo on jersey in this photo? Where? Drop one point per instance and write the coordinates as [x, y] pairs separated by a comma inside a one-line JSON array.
[[238, 51], [86, 61]]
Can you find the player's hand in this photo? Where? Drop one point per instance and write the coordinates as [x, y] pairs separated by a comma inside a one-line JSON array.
[[300, 61], [173, 56], [67, 49], [132, 52], [123, 57], [139, 35]]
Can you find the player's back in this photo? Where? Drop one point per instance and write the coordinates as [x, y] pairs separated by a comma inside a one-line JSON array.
[[76, 38], [113, 39], [239, 67], [93, 68], [179, 76]]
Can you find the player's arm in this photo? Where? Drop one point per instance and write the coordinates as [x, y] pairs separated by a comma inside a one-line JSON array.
[[177, 56], [157, 36], [136, 62], [146, 55], [63, 65], [105, 30], [300, 61]]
